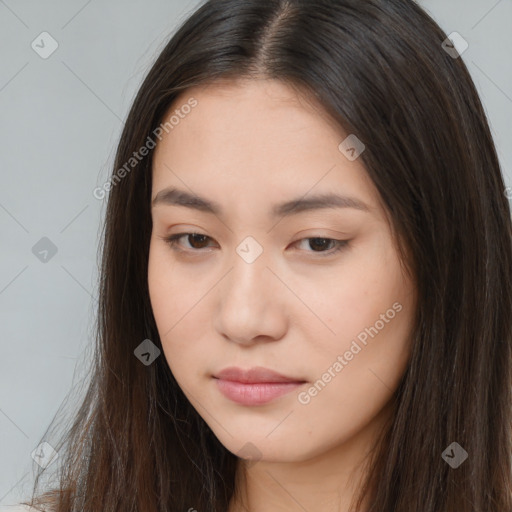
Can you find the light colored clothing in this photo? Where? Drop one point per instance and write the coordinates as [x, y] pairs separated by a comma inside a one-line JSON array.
[[17, 508]]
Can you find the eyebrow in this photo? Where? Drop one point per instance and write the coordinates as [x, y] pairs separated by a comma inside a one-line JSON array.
[[175, 197]]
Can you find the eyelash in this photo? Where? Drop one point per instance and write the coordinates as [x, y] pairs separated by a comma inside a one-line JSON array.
[[172, 241]]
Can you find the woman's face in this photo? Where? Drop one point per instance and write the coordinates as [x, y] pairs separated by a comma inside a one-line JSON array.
[[267, 285]]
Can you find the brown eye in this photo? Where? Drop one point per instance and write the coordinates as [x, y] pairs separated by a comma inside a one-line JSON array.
[[322, 245], [319, 244], [196, 240]]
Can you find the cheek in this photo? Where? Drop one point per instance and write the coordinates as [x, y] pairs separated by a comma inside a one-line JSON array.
[[352, 380], [368, 308], [176, 304], [170, 292], [357, 293]]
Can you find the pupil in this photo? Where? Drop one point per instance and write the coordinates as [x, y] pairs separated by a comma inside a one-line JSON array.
[[193, 236], [322, 245]]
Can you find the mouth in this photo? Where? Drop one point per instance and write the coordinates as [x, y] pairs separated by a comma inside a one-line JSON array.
[[255, 386]]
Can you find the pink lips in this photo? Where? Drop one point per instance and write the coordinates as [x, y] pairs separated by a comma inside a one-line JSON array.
[[255, 386]]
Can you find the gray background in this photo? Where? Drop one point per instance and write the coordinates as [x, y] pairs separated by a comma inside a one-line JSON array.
[[60, 120]]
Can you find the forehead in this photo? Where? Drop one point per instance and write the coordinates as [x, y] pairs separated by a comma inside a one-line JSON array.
[[256, 114], [259, 138]]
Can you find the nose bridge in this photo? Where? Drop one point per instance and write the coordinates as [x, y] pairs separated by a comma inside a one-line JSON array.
[[248, 299], [249, 279]]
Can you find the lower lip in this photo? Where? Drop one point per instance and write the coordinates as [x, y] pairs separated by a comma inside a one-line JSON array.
[[255, 394]]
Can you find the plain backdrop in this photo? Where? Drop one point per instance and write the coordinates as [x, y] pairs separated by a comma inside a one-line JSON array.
[[61, 118]]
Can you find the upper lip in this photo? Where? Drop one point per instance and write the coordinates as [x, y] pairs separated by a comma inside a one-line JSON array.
[[258, 374]]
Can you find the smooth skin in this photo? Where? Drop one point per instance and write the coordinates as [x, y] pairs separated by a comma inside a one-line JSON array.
[[249, 145]]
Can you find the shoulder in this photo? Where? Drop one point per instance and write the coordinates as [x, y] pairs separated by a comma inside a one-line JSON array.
[[17, 508]]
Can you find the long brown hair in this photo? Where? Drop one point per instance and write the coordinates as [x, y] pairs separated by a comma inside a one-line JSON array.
[[379, 70]]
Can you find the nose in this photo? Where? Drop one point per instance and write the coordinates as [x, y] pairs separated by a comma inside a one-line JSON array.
[[251, 304]]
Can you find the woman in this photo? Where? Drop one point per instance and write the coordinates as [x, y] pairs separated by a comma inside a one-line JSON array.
[[306, 277]]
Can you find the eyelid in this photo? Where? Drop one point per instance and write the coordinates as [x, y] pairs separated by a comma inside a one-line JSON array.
[[172, 242]]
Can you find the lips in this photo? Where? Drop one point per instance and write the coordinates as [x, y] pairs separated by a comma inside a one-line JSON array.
[[256, 375], [256, 386]]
